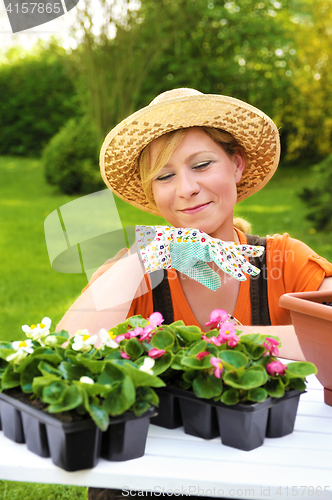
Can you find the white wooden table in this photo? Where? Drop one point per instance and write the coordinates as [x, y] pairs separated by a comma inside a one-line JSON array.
[[295, 466]]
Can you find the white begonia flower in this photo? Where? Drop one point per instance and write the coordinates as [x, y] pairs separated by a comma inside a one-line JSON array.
[[22, 348], [36, 332], [87, 380], [83, 341], [106, 339], [147, 366]]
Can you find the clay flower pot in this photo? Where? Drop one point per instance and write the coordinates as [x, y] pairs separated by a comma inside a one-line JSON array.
[[312, 322]]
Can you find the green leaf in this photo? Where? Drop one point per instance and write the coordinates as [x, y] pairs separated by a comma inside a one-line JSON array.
[[245, 379], [111, 375], [254, 350], [96, 389], [119, 329], [63, 333], [6, 349], [233, 359], [161, 364], [196, 364], [213, 349], [28, 375], [42, 353], [147, 395], [189, 376], [47, 354], [298, 384], [255, 338], [301, 369], [93, 365], [198, 347], [113, 355], [136, 321], [54, 392], [133, 348], [177, 361], [163, 340], [207, 386], [72, 398], [230, 397], [99, 416], [121, 398], [139, 408], [39, 383], [48, 369], [189, 333], [10, 378], [275, 387], [258, 395], [139, 377], [70, 371]]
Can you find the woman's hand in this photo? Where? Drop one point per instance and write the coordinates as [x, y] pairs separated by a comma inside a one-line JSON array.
[[107, 265]]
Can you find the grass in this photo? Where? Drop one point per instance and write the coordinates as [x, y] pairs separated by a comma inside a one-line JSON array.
[[15, 490], [31, 289]]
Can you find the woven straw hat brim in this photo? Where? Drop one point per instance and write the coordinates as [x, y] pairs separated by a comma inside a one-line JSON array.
[[252, 128]]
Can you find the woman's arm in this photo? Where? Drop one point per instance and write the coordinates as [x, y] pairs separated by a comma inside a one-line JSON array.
[[290, 348], [107, 301]]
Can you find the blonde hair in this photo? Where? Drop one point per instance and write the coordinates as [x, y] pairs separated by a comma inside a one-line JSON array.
[[168, 144]]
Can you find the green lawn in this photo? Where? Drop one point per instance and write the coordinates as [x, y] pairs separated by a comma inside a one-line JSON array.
[[31, 289]]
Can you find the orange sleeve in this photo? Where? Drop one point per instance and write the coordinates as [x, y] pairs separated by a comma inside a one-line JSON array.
[[143, 301], [292, 266]]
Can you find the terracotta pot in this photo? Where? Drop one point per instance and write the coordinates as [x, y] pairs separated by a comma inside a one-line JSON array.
[[312, 322]]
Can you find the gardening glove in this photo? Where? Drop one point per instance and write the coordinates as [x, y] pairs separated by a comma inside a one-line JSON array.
[[189, 250]]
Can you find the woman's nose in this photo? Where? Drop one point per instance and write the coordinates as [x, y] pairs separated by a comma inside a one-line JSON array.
[[187, 185]]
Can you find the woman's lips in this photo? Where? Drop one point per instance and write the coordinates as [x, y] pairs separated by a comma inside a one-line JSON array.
[[195, 209]]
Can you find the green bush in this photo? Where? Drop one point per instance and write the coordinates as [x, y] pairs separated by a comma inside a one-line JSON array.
[[38, 97], [70, 160], [318, 197]]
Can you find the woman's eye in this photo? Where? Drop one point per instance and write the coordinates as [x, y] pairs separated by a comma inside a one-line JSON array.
[[164, 177], [202, 165]]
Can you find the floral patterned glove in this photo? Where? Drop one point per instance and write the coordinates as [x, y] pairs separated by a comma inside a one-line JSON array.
[[189, 250]]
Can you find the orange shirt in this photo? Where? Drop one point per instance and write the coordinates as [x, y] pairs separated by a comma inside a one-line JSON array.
[[291, 267]]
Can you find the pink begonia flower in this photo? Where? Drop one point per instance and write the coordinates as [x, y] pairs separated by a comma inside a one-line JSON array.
[[156, 353], [130, 334], [217, 318], [218, 367], [156, 319], [124, 355], [211, 340], [202, 355], [271, 346], [227, 334], [276, 368]]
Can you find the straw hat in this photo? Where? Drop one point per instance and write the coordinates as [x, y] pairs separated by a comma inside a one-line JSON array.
[[182, 108]]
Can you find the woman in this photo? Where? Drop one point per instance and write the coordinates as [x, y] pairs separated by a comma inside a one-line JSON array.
[[190, 157]]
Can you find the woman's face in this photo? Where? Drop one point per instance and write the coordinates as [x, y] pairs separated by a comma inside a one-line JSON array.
[[197, 187]]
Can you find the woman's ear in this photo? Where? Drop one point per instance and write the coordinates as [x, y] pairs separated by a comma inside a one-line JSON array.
[[239, 163]]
